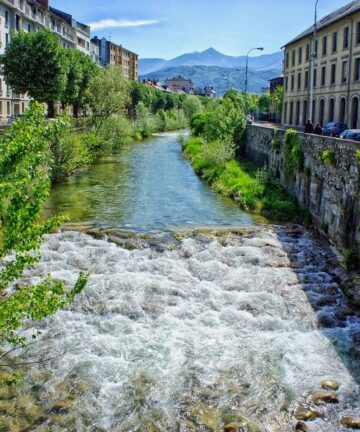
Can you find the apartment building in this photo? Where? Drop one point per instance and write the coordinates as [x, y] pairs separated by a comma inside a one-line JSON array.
[[116, 55], [336, 78], [181, 83], [33, 15]]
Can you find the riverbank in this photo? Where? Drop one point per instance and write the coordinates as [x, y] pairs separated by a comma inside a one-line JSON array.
[[252, 188]]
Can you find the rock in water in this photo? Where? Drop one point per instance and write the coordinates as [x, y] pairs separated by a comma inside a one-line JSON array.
[[306, 414], [301, 426], [351, 422], [330, 385], [322, 397]]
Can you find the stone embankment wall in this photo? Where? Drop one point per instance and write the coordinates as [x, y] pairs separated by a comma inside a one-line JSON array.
[[330, 191]]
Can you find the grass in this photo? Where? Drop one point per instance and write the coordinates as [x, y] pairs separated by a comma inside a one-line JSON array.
[[254, 189]]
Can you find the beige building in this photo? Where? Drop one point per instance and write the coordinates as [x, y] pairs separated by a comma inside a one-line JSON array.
[[337, 71], [33, 15], [181, 83], [116, 55]]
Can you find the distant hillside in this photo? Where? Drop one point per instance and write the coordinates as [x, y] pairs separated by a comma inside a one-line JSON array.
[[212, 57], [217, 76]]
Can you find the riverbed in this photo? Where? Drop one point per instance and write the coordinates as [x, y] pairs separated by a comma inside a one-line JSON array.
[[197, 317]]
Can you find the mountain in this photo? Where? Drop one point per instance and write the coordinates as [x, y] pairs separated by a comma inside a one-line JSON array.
[[217, 77], [212, 57]]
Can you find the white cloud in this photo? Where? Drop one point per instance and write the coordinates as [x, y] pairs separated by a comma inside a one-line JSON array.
[[113, 23]]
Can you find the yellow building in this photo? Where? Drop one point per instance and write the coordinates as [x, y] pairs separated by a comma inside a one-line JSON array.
[[336, 71]]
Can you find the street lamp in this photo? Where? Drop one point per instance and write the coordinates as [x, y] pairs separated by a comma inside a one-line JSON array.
[[246, 72], [228, 77], [312, 66]]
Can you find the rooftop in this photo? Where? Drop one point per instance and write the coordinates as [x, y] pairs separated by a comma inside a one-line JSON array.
[[324, 22]]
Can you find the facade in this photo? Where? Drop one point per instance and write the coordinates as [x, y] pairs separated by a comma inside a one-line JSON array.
[[276, 82], [337, 71], [116, 55], [33, 15], [181, 83], [207, 91]]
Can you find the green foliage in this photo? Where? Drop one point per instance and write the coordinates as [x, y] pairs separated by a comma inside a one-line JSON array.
[[351, 259], [24, 186], [357, 155], [276, 141], [255, 190], [264, 102], [294, 157], [277, 100], [191, 106], [107, 94], [328, 156], [80, 70], [35, 63]]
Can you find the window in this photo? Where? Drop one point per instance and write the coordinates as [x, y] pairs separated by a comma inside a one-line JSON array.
[[344, 71], [7, 18], [293, 58], [358, 32], [357, 69], [299, 81], [306, 79], [29, 28], [292, 82], [300, 55], [307, 54], [8, 106], [1, 87], [346, 38], [286, 83], [316, 48], [334, 42], [333, 73], [324, 46], [323, 75], [1, 107], [315, 77], [7, 39]]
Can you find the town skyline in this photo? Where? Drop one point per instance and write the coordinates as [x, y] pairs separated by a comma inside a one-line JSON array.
[[143, 27]]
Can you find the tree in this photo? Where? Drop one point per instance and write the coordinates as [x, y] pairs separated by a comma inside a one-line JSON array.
[[192, 106], [264, 102], [35, 63], [24, 186], [80, 70], [108, 94], [277, 100]]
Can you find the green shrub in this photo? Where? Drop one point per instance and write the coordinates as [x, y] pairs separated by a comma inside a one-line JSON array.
[[294, 157], [276, 142], [357, 155], [351, 259], [328, 156]]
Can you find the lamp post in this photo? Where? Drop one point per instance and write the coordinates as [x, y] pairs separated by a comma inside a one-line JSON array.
[[228, 77], [246, 72], [312, 66]]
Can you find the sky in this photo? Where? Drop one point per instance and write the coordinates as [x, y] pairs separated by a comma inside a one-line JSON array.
[[168, 28]]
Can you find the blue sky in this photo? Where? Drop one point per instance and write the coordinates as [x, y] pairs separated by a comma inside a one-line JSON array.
[[167, 28]]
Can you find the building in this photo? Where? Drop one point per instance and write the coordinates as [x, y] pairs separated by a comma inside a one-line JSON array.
[[181, 83], [276, 82], [33, 15], [336, 73], [116, 55], [206, 92]]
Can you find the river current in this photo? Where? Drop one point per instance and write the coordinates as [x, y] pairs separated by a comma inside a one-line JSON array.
[[198, 318]]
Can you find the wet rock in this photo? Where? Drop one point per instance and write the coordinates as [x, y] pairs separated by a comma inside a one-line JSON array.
[[305, 414], [351, 422], [301, 426], [235, 427], [322, 397], [330, 385], [63, 404]]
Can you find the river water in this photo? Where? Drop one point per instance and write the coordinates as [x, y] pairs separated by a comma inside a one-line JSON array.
[[208, 320]]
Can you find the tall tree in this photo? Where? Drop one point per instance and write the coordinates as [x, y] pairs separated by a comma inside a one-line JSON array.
[[108, 94], [35, 63]]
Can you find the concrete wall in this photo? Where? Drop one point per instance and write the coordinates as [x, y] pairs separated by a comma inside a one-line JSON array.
[[331, 193]]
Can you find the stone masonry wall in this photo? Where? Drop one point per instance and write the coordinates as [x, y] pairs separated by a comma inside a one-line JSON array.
[[330, 193]]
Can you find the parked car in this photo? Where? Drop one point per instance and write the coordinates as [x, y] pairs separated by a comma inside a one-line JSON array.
[[351, 134], [13, 117], [248, 119], [334, 129]]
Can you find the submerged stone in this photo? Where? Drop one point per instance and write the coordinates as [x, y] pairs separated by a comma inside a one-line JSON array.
[[305, 414], [301, 427], [351, 422], [322, 397], [330, 385]]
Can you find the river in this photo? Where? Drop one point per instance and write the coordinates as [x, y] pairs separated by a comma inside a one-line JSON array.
[[207, 320]]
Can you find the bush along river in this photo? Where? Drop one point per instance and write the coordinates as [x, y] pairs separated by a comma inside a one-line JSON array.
[[197, 317]]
